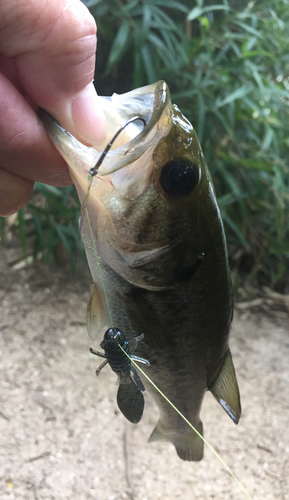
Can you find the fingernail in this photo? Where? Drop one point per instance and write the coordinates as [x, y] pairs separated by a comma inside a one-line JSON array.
[[88, 116]]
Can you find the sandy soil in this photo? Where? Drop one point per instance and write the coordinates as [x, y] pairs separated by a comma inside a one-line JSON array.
[[63, 437]]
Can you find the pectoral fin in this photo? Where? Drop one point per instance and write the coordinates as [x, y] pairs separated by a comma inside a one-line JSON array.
[[95, 314], [226, 391]]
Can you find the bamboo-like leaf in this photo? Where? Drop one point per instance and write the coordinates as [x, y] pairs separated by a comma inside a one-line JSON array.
[[248, 28], [225, 123], [201, 116], [237, 94], [147, 61], [269, 135], [129, 6], [236, 230], [172, 4], [119, 45], [62, 231], [22, 232], [199, 11]]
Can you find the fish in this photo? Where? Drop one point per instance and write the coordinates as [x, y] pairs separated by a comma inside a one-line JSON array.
[[155, 244], [129, 395]]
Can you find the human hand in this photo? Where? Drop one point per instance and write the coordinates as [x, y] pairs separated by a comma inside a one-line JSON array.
[[47, 59]]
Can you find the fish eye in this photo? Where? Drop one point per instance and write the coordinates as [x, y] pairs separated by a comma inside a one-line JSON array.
[[179, 176]]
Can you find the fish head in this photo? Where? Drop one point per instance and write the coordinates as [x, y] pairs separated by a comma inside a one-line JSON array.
[[151, 206]]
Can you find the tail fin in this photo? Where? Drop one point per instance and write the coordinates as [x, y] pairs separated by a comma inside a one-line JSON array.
[[188, 446], [130, 401]]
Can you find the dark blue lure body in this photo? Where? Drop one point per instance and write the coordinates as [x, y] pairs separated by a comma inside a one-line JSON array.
[[130, 399]]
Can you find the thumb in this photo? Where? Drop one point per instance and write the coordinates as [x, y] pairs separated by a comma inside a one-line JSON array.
[[54, 53]]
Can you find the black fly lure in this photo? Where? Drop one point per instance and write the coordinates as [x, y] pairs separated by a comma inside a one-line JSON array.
[[130, 399]]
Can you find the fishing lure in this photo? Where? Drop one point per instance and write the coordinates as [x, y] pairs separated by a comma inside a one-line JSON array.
[[130, 399]]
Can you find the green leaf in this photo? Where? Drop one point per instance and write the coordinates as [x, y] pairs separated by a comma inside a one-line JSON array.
[[236, 230], [268, 138], [119, 45], [280, 272], [2, 228], [201, 116], [246, 162], [22, 232], [146, 20], [147, 61], [222, 119], [61, 230], [195, 13], [237, 94], [248, 28], [199, 11], [170, 4], [91, 3], [205, 22], [129, 6]]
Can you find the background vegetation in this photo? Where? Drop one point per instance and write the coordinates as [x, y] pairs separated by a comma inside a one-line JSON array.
[[227, 66]]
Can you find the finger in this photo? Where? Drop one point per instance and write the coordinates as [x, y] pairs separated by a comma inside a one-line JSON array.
[[14, 192], [25, 148], [54, 45]]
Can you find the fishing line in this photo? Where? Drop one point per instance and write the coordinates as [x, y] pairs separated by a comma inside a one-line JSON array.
[[191, 425], [93, 171], [98, 265]]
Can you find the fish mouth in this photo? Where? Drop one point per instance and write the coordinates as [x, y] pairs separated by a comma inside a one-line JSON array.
[[152, 103]]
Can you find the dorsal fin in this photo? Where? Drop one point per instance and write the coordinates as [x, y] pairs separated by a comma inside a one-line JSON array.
[[226, 391]]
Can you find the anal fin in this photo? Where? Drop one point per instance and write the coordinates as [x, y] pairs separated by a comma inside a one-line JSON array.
[[226, 391], [189, 446]]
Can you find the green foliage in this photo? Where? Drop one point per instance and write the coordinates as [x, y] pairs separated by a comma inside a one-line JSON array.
[[48, 225], [54, 224], [227, 66]]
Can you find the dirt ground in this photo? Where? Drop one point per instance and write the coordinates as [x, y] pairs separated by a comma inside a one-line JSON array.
[[63, 437]]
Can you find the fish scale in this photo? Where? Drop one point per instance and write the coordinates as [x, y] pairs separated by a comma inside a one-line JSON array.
[[156, 248]]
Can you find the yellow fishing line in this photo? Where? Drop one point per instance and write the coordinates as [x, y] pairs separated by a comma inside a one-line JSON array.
[[98, 264], [83, 209], [146, 376], [191, 425]]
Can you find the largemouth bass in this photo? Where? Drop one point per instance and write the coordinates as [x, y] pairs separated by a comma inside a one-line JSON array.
[[156, 249]]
